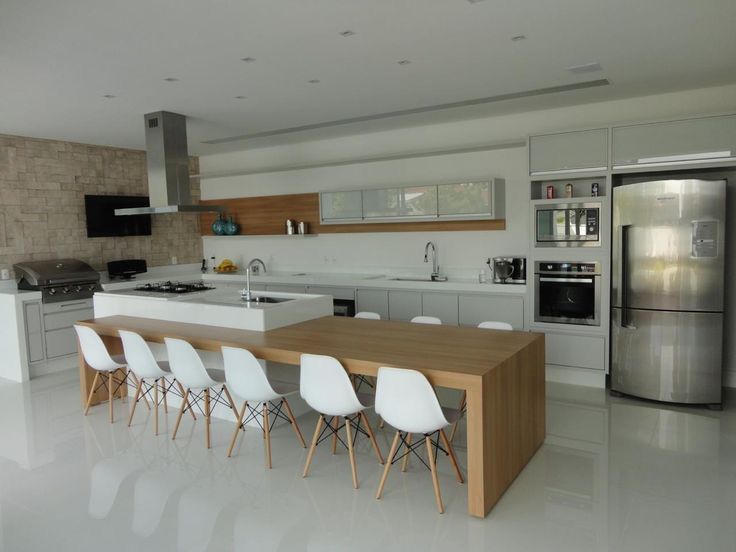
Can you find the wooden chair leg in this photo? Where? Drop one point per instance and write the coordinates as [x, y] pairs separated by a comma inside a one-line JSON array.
[[143, 396], [351, 452], [135, 401], [372, 437], [405, 461], [267, 433], [453, 458], [238, 427], [310, 454], [435, 480], [207, 417], [163, 391], [184, 405], [109, 396], [335, 425], [230, 400], [184, 400], [387, 467], [293, 423], [91, 392], [123, 389], [155, 407]]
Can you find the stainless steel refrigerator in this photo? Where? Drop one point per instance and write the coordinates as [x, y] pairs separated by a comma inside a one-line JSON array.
[[667, 290]]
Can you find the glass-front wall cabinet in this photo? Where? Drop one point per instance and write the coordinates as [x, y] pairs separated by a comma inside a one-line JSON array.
[[412, 201], [464, 198]]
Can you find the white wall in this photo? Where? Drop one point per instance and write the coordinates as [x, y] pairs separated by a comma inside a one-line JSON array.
[[461, 253]]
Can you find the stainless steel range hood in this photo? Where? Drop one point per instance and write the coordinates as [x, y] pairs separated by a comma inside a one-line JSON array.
[[168, 167]]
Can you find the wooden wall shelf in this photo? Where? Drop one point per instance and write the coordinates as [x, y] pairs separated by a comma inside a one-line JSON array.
[[266, 216]]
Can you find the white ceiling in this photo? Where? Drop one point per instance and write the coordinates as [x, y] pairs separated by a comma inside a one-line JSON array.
[[58, 59]]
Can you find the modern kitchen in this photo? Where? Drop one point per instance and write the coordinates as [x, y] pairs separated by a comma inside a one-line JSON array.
[[252, 300]]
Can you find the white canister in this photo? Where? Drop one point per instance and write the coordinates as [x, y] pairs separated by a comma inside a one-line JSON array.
[[4, 274]]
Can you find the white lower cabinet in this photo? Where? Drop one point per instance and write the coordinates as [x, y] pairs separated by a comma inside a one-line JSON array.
[[404, 305], [442, 306], [577, 351], [34, 331], [372, 300], [474, 309]]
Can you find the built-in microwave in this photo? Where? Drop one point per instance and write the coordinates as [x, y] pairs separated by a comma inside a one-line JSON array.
[[567, 224]]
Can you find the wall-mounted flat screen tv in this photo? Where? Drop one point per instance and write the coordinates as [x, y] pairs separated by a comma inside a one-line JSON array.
[[102, 221]]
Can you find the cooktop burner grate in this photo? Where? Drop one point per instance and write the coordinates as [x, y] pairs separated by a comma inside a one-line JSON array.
[[174, 287]]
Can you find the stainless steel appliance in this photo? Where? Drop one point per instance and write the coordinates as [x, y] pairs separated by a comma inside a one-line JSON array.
[[509, 270], [567, 292], [173, 288], [667, 290], [67, 287], [58, 280], [567, 224]]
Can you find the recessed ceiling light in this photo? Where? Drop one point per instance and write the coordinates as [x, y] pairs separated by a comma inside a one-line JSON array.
[[248, 59], [313, 81], [517, 38], [239, 97], [475, 1], [108, 96], [171, 79], [403, 62], [585, 67], [347, 33]]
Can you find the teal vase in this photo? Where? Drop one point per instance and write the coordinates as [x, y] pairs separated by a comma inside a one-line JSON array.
[[218, 227], [231, 227]]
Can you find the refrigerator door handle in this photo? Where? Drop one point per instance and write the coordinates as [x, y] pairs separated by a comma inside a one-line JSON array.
[[623, 276]]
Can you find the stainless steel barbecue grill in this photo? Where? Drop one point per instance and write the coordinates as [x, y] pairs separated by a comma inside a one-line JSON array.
[[58, 280]]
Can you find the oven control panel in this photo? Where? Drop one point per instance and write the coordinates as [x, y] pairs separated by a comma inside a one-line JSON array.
[[556, 267]]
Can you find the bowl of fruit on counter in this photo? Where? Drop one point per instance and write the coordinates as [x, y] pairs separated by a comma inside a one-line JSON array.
[[226, 267]]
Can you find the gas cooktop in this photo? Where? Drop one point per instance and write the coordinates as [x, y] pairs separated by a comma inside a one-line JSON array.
[[175, 288]]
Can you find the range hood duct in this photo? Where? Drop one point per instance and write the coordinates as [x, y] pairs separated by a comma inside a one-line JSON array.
[[169, 188]]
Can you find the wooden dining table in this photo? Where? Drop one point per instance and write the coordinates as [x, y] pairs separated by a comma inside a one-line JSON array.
[[502, 373]]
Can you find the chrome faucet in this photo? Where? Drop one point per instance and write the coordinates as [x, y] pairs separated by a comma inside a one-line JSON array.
[[435, 262], [252, 265]]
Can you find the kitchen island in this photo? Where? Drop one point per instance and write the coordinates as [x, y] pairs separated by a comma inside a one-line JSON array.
[[502, 373]]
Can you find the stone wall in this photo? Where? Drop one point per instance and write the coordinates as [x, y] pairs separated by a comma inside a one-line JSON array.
[[42, 188]]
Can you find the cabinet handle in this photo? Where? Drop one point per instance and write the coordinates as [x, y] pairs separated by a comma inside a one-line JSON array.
[[72, 305]]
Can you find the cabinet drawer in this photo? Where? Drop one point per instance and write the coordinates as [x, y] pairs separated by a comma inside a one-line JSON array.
[[337, 293], [65, 319], [50, 308], [61, 342], [575, 350]]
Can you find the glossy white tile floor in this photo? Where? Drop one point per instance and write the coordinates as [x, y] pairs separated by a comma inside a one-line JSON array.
[[613, 475]]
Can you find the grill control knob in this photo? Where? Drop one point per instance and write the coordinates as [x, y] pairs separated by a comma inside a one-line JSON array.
[[91, 288], [65, 290], [52, 291]]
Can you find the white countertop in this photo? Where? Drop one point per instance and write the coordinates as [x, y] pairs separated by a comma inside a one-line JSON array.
[[366, 281]]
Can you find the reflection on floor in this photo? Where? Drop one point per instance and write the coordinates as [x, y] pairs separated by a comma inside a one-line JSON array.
[[613, 475]]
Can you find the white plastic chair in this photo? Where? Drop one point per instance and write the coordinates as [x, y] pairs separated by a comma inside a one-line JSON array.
[[426, 320], [368, 315], [247, 379], [145, 366], [326, 387], [495, 325], [98, 358], [488, 325], [407, 401], [188, 369]]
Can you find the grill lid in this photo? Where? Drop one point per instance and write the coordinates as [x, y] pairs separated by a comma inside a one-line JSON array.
[[58, 271]]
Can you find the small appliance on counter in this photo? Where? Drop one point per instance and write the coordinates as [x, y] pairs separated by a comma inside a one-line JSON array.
[[508, 270], [126, 269]]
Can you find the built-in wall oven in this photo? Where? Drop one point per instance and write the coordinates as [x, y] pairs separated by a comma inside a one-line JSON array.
[[567, 292], [567, 224]]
